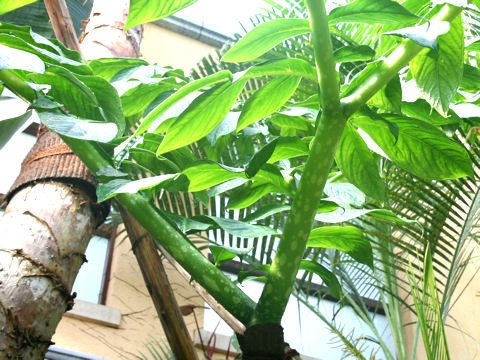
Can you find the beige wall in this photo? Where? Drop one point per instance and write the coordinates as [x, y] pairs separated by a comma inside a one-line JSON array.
[[168, 48], [127, 292], [139, 321]]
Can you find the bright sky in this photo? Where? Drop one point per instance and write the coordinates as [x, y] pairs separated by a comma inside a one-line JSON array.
[[228, 14]]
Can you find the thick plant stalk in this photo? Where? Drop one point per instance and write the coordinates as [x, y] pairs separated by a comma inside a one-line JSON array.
[[284, 267], [158, 286], [45, 231], [290, 251]]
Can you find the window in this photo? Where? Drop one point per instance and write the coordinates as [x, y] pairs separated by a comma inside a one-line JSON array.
[[89, 282]]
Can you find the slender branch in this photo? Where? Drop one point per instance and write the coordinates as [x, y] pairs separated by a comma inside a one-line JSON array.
[[159, 288], [291, 248], [62, 23], [391, 65]]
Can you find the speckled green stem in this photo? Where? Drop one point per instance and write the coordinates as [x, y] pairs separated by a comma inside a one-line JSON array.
[[187, 255], [290, 251]]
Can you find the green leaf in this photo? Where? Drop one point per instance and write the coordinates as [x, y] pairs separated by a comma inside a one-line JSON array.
[[475, 46], [470, 79], [360, 166], [118, 186], [11, 58], [264, 37], [424, 35], [287, 148], [246, 275], [344, 194], [202, 116], [145, 11], [260, 158], [78, 128], [109, 172], [421, 148], [288, 66], [238, 228], [227, 185], [136, 100], [389, 98], [207, 174], [109, 67], [372, 12], [8, 127], [249, 194], [22, 38], [187, 224], [327, 276], [227, 126], [340, 215], [421, 110], [266, 211], [223, 254], [188, 89], [267, 100], [9, 5], [353, 53], [438, 73], [348, 239]]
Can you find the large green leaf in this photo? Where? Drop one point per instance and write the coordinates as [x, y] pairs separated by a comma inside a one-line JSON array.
[[202, 116], [109, 67], [348, 239], [208, 174], [267, 100], [389, 98], [90, 97], [287, 148], [260, 158], [249, 194], [9, 5], [264, 37], [353, 53], [188, 89], [327, 276], [425, 35], [78, 128], [8, 127], [470, 79], [11, 58], [237, 228], [438, 73], [117, 186], [223, 254], [144, 11], [50, 51], [420, 149], [288, 66], [420, 109], [359, 164], [372, 12]]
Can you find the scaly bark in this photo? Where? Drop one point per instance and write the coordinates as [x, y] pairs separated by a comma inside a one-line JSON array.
[[44, 233]]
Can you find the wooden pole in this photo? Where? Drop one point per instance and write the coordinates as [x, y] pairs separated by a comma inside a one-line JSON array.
[[158, 286]]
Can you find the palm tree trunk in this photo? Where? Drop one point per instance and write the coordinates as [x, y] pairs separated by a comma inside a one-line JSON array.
[[43, 236]]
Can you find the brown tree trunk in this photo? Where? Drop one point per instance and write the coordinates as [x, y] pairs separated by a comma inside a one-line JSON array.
[[43, 236]]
